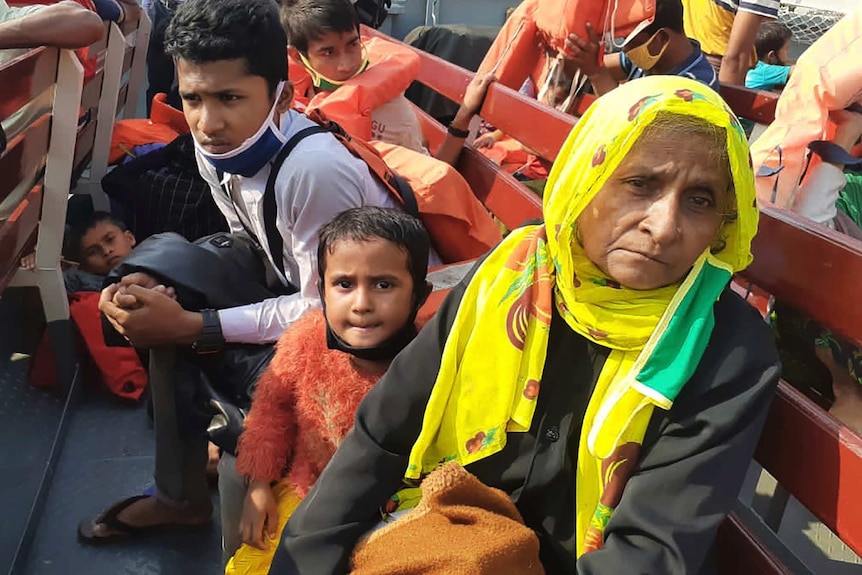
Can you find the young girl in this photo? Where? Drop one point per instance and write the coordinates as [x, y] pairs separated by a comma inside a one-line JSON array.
[[373, 263]]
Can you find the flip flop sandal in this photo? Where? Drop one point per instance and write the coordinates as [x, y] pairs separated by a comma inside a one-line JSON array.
[[122, 530]]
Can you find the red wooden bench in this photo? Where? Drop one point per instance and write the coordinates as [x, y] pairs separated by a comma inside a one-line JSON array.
[[808, 452], [36, 168]]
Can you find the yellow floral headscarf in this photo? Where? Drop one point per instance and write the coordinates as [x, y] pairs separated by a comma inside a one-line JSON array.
[[491, 369]]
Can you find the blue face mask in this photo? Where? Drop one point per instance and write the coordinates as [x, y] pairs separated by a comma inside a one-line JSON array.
[[253, 154]]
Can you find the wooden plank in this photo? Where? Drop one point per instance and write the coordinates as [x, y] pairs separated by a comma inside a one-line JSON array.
[[502, 194], [25, 156], [535, 125], [755, 105], [738, 550], [25, 77], [84, 147], [17, 232], [795, 258], [822, 469], [128, 54], [122, 97], [92, 91]]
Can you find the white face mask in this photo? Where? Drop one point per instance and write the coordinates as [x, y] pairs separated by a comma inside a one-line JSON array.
[[253, 154]]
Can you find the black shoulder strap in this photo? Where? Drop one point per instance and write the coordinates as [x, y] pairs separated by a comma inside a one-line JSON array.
[[270, 209]]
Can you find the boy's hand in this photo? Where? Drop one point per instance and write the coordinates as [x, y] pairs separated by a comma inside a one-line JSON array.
[[584, 53], [28, 262], [149, 317], [259, 515], [477, 89], [487, 140]]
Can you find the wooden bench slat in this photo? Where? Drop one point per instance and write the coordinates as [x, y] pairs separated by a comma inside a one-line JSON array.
[[502, 194], [759, 105], [17, 233], [817, 460], [505, 196], [809, 267], [122, 97], [84, 147], [738, 551], [128, 54], [92, 91], [24, 157], [25, 77]]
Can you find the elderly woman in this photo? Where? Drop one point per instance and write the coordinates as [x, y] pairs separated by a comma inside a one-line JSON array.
[[595, 367]]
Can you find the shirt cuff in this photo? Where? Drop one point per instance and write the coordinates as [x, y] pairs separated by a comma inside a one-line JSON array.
[[239, 324]]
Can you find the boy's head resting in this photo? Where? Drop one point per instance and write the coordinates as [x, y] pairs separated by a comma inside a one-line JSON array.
[[325, 33], [373, 264], [646, 47], [99, 243], [772, 43], [231, 57]]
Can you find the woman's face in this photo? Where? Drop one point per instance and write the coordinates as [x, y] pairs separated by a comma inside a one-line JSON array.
[[658, 211]]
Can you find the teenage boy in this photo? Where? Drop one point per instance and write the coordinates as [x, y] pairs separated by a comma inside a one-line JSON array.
[[657, 47], [373, 263], [324, 36], [231, 60], [773, 67]]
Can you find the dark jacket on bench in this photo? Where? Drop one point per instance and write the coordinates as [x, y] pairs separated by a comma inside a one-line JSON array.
[[694, 458]]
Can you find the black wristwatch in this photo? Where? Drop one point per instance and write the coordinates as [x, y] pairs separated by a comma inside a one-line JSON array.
[[211, 339], [457, 132]]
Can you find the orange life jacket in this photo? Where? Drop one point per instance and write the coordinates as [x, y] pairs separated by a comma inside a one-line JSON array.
[[119, 368], [392, 68], [459, 225], [164, 125], [537, 30], [826, 77]]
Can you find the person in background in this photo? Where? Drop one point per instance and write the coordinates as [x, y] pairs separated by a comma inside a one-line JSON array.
[[325, 36], [65, 25], [657, 47], [94, 247], [726, 30], [161, 73], [773, 66]]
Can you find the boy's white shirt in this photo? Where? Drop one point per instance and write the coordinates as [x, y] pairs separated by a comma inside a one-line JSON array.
[[818, 194], [395, 122], [319, 180]]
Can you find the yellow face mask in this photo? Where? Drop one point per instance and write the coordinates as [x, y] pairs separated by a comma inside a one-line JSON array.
[[328, 84], [641, 57]]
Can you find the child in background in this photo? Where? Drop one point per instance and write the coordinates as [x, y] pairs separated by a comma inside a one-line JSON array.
[[95, 247], [373, 264], [773, 67]]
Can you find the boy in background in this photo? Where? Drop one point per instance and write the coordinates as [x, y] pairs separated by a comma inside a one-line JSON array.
[[95, 247], [773, 67]]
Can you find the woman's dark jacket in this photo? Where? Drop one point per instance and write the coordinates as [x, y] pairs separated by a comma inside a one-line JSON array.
[[694, 457]]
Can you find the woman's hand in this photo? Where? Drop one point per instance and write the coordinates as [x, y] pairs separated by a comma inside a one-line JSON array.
[[259, 515], [28, 262]]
